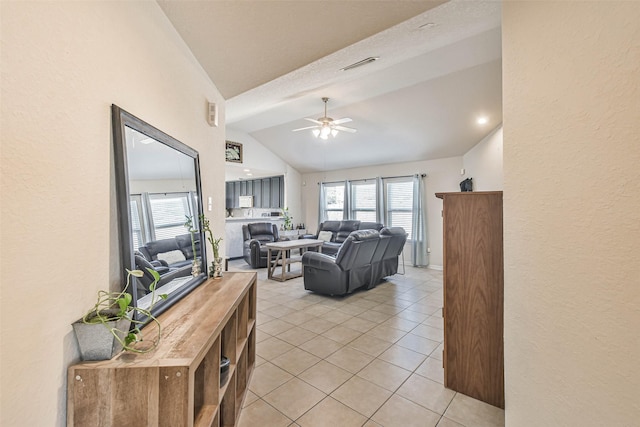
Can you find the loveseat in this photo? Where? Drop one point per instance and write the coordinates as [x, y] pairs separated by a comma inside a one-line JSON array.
[[363, 259], [339, 230]]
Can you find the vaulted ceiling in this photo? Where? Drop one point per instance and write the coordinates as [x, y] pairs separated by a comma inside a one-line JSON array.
[[439, 70]]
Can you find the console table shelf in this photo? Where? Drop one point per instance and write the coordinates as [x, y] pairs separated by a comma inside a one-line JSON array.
[[178, 384]]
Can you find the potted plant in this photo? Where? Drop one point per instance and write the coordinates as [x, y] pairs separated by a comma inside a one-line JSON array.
[[195, 268], [216, 265], [288, 220], [105, 329]]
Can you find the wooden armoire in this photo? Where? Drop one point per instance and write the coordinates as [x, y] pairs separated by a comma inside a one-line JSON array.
[[473, 295]]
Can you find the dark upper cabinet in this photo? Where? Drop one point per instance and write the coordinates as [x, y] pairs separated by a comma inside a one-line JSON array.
[[268, 193], [236, 194], [276, 201], [228, 204], [250, 189], [282, 192], [257, 193]]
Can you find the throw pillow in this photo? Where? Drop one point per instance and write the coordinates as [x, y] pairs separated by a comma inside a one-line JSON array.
[[172, 256], [325, 236]]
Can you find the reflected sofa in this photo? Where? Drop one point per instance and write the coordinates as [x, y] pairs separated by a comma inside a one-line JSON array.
[[151, 256]]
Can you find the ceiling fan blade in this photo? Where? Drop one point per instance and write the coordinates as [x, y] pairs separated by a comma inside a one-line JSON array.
[[305, 128], [345, 129], [313, 121], [341, 121]]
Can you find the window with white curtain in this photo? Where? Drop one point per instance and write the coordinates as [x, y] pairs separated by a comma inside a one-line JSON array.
[[333, 200], [168, 214], [363, 200], [136, 221], [399, 204]]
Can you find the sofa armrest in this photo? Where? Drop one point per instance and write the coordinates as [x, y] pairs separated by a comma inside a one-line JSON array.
[[159, 263], [320, 261], [308, 236]]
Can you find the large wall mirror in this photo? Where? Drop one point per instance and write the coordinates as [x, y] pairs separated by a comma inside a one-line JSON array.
[[158, 190]]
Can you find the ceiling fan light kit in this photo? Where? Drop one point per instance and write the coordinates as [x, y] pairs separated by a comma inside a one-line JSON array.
[[325, 126]]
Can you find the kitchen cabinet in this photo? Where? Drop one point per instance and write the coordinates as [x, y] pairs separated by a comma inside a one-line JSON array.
[[268, 193], [276, 200], [229, 195]]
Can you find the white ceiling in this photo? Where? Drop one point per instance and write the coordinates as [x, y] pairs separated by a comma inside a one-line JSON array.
[[418, 102]]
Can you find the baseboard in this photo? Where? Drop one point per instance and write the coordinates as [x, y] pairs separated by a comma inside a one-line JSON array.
[[436, 267]]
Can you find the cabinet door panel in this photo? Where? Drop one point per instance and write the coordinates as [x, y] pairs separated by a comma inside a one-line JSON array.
[[250, 189], [266, 192], [236, 195], [473, 296], [257, 193], [275, 192], [228, 199]]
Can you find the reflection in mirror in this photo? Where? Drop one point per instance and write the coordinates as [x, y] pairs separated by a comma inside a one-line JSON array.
[[158, 190]]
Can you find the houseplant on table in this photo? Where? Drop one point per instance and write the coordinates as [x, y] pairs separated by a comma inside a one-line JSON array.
[[105, 329], [216, 265], [288, 220]]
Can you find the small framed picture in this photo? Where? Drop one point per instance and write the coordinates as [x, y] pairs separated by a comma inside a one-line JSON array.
[[233, 152]]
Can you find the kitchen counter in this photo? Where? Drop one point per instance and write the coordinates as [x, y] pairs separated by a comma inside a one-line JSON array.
[[253, 219]]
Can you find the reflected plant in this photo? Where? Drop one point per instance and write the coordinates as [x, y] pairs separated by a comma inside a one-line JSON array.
[[195, 270]]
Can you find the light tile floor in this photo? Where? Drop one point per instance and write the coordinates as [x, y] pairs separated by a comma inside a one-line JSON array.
[[373, 358]]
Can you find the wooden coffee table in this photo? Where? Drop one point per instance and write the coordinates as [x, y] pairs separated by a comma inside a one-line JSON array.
[[284, 259]]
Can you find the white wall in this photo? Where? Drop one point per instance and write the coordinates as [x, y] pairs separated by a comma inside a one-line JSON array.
[[63, 65], [442, 175], [483, 163], [259, 158], [571, 210]]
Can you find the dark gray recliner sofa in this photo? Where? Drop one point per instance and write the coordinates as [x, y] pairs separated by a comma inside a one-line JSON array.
[[394, 239], [340, 230], [348, 271], [181, 243], [147, 256], [255, 235], [364, 258]]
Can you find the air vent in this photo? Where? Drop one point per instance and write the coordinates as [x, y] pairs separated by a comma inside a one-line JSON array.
[[360, 63]]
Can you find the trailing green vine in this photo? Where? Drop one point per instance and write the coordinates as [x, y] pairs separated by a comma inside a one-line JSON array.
[[114, 306]]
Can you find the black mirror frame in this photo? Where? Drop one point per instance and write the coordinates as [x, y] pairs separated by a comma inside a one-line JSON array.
[[120, 119]]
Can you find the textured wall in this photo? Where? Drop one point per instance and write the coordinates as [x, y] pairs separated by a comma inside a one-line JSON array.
[[483, 163], [63, 65], [571, 210]]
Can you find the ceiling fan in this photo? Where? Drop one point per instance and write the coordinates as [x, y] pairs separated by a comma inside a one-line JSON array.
[[325, 126]]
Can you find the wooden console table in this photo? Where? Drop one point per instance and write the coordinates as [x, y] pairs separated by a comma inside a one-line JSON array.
[[178, 384], [284, 258]]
